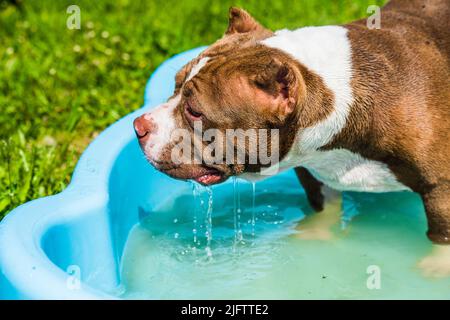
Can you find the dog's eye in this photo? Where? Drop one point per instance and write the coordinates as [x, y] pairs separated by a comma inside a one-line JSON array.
[[194, 115]]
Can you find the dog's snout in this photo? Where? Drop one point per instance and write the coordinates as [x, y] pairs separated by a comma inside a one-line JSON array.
[[143, 126]]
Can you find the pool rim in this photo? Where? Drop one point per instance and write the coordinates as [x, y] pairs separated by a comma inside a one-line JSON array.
[[22, 230]]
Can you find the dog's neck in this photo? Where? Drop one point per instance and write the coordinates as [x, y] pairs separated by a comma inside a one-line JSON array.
[[326, 53]]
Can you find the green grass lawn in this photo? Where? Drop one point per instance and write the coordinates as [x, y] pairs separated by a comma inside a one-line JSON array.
[[59, 88]]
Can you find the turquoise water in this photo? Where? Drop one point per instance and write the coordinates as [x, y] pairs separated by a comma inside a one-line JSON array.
[[227, 244]]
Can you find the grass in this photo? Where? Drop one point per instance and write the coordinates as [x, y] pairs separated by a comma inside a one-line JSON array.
[[59, 88]]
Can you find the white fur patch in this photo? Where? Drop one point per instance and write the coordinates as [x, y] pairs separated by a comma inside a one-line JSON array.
[[162, 116], [325, 51], [196, 69], [341, 170], [344, 170]]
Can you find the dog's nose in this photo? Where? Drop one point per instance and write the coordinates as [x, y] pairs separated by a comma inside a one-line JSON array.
[[143, 126]]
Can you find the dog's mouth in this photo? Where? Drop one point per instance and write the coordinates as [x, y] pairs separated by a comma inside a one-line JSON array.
[[203, 174], [210, 176]]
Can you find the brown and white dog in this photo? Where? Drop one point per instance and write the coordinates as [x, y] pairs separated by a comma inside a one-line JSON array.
[[357, 108]]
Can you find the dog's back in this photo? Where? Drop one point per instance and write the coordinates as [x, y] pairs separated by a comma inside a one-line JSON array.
[[434, 14], [436, 11], [414, 20]]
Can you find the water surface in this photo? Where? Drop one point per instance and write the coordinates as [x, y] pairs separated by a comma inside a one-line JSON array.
[[234, 246]]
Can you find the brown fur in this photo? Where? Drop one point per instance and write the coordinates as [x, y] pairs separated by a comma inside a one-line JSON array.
[[401, 114], [312, 188]]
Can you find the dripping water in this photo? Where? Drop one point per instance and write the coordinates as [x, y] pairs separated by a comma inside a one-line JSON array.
[[253, 208], [196, 194], [234, 213], [238, 237], [205, 210], [208, 222]]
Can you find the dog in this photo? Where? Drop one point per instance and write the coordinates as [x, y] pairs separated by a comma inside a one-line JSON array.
[[356, 108]]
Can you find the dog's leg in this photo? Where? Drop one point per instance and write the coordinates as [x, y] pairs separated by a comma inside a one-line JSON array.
[[312, 187], [321, 198], [437, 206], [437, 263]]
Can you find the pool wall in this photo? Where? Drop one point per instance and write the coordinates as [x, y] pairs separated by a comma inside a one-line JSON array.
[[68, 246]]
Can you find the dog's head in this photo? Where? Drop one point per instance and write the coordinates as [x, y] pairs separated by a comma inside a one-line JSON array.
[[234, 109]]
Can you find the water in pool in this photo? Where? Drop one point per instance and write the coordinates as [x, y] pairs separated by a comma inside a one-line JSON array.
[[241, 241]]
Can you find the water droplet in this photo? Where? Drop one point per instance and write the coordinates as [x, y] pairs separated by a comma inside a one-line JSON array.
[[208, 219], [202, 207], [237, 212], [253, 208]]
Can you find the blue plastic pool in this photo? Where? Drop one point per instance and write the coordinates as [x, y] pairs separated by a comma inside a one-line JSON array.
[[47, 244], [123, 230]]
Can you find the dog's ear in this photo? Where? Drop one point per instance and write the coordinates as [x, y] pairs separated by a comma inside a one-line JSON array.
[[240, 21], [282, 84]]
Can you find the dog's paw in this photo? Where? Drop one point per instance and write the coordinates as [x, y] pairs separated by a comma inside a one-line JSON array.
[[315, 234], [437, 263], [319, 226]]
